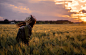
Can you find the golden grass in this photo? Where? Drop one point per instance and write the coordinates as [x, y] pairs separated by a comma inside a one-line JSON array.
[[46, 39]]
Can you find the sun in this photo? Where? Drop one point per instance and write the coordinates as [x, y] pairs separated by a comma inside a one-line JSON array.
[[83, 19]]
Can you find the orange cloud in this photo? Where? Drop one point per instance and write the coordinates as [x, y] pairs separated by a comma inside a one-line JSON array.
[[75, 6], [21, 9], [60, 15]]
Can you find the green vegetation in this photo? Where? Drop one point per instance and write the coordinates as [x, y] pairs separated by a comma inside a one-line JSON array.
[[47, 39]]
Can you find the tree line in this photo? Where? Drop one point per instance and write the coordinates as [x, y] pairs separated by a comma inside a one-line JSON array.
[[6, 21]]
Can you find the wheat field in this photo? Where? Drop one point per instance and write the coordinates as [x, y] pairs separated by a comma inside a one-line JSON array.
[[46, 39]]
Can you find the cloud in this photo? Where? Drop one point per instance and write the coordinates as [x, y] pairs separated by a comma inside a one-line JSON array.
[[20, 9], [76, 6], [41, 9], [1, 18], [37, 1], [84, 11], [12, 12], [49, 9]]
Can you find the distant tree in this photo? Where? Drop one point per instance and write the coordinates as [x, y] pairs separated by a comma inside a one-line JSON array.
[[6, 21], [14, 20]]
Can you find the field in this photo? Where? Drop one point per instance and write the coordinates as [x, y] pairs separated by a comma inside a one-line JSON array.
[[46, 39]]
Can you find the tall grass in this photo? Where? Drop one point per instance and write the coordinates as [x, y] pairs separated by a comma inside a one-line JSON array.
[[45, 40]]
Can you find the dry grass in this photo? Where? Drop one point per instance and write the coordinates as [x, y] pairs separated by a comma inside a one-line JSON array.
[[47, 39]]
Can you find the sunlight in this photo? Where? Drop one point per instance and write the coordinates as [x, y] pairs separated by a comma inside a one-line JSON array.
[[83, 19], [75, 6]]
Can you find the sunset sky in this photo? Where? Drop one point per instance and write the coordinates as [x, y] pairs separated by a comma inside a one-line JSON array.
[[72, 10]]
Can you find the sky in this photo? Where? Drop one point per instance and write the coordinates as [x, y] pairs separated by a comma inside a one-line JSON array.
[[72, 10]]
